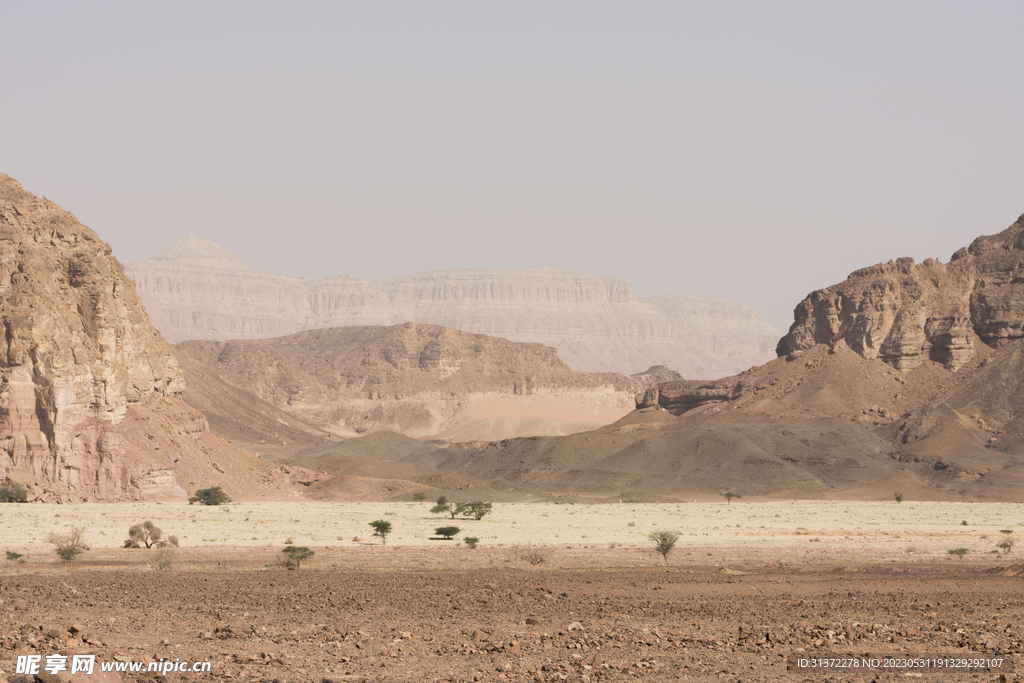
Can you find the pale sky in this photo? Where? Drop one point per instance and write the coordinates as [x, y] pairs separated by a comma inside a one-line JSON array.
[[748, 150]]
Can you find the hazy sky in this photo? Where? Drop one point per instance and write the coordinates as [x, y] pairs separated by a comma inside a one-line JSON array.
[[749, 150]]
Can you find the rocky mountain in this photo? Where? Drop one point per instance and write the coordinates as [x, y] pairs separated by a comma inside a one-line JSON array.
[[416, 379], [905, 313], [903, 378], [89, 392], [197, 290]]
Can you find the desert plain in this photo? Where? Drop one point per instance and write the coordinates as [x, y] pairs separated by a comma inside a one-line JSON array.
[[748, 585]]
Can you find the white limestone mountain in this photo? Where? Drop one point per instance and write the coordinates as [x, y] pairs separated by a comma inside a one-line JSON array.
[[198, 290]]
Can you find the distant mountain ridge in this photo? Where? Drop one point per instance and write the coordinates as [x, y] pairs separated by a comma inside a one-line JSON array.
[[198, 290]]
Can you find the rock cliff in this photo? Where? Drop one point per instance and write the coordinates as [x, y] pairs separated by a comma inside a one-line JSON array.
[[420, 380], [89, 405], [905, 313], [196, 290]]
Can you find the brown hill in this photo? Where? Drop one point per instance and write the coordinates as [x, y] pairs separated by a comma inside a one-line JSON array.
[[903, 378], [418, 379], [90, 402]]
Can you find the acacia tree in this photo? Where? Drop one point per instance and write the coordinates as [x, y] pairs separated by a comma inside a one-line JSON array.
[[476, 509], [664, 542], [212, 496], [730, 494], [295, 554], [146, 533], [381, 528], [444, 506]]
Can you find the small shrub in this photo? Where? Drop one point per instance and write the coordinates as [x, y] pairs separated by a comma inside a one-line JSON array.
[[532, 554], [419, 497], [963, 522], [730, 494], [289, 541], [70, 545], [211, 496], [471, 541], [12, 492], [664, 542], [294, 555], [447, 531], [477, 509], [898, 496], [162, 559], [1006, 545], [959, 552], [146, 533], [381, 529]]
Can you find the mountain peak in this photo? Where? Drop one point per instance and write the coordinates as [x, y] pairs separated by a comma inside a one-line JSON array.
[[194, 251]]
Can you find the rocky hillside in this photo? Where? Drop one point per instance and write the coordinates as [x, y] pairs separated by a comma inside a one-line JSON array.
[[903, 378], [420, 380], [197, 290], [905, 313], [89, 392]]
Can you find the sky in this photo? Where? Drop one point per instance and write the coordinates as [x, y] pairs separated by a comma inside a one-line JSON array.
[[749, 150]]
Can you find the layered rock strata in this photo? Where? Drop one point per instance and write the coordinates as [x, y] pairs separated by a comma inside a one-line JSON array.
[[197, 290], [905, 313]]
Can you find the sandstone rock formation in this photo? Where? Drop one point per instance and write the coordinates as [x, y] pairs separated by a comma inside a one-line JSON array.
[[420, 380], [88, 390], [196, 290], [906, 313]]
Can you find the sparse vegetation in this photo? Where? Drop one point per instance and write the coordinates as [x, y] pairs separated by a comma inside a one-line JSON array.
[[294, 555], [730, 494], [664, 542], [419, 497], [12, 492], [68, 546], [959, 552], [211, 496], [471, 541], [898, 496], [477, 509], [381, 529], [146, 533], [447, 531], [162, 559], [532, 554]]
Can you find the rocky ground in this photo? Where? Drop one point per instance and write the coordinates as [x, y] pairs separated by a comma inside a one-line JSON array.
[[556, 621]]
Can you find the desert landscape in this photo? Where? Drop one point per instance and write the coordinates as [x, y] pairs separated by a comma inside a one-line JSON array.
[[511, 343], [553, 591]]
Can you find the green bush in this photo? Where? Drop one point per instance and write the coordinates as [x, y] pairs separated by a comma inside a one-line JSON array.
[[70, 545], [294, 555], [447, 531], [729, 495], [211, 496], [471, 541], [898, 496], [11, 492], [959, 552]]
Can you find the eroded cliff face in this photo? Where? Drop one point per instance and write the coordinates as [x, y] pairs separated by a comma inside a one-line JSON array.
[[77, 353], [905, 313], [197, 290]]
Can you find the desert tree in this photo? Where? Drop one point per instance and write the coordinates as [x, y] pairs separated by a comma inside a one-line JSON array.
[[664, 542], [898, 496], [959, 552], [294, 555], [419, 497], [447, 507], [471, 541], [146, 533], [381, 529], [477, 509], [730, 494], [212, 496], [447, 531]]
